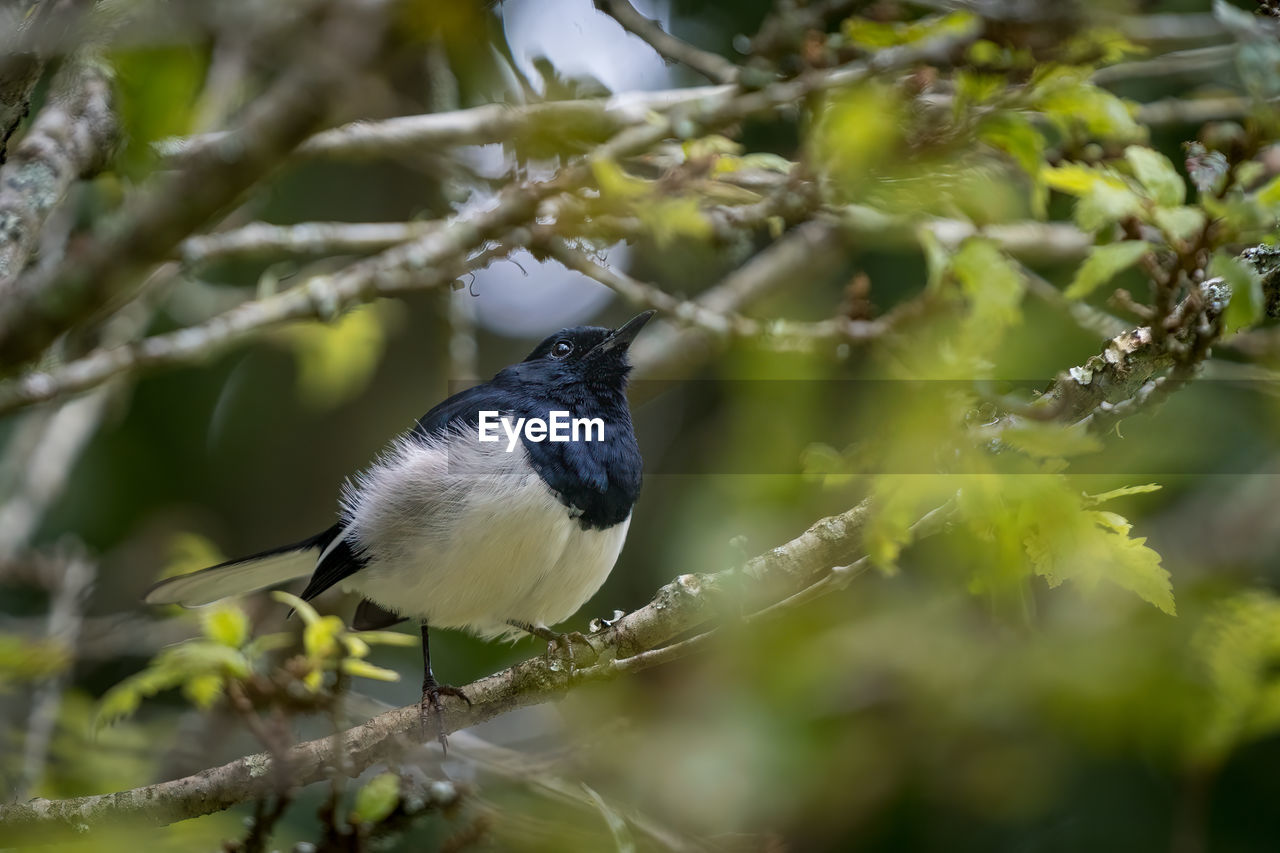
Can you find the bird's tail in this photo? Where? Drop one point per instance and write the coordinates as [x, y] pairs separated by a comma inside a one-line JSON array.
[[246, 574]]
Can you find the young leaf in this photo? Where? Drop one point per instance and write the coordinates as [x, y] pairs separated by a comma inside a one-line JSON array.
[[991, 282], [364, 669], [1179, 224], [1104, 197], [1014, 134], [302, 608], [226, 624], [1137, 568], [1157, 175], [388, 638], [1125, 491], [1103, 263], [1238, 644], [377, 799]]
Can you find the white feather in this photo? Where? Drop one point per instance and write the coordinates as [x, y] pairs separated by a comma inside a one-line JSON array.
[[209, 585], [462, 534]]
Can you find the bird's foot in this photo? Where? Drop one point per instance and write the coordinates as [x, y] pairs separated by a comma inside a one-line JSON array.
[[563, 644], [560, 645], [430, 705]]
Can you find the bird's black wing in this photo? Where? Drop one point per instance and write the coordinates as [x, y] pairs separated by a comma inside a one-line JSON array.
[[341, 561], [462, 408]]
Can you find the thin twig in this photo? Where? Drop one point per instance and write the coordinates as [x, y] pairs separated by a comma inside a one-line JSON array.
[[316, 238], [710, 65], [776, 334]]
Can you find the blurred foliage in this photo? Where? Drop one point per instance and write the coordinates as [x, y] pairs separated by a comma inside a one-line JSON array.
[[1016, 680], [227, 656]]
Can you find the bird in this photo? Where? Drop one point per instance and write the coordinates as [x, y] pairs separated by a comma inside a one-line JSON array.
[[457, 530]]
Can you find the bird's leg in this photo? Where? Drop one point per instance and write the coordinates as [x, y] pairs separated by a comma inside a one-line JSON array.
[[432, 690], [557, 640]]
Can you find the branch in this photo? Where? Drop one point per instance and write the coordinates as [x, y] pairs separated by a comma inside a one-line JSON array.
[[1195, 61], [571, 121], [1041, 242], [428, 262], [438, 257], [70, 139], [777, 334], [1195, 111], [666, 350], [44, 303], [682, 605], [24, 48], [1172, 27], [492, 123], [712, 66], [313, 238]]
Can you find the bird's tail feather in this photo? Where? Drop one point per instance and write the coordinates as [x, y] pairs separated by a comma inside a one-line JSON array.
[[246, 574]]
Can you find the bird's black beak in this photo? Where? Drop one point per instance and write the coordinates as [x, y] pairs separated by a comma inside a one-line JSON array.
[[622, 336]]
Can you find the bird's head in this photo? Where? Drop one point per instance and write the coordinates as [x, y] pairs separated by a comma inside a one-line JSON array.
[[581, 356]]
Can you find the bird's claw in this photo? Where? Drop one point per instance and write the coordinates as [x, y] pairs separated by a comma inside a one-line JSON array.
[[563, 643], [430, 703]]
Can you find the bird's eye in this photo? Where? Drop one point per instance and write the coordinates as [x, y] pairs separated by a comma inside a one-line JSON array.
[[561, 349]]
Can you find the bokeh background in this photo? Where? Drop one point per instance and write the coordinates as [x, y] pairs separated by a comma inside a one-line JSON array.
[[910, 711]]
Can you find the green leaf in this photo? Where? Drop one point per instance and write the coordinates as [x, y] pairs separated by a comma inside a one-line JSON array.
[[1137, 568], [671, 219], [1072, 103], [1112, 521], [1050, 440], [896, 503], [1106, 204], [302, 608], [1125, 491], [389, 638], [1238, 644], [377, 799], [226, 624], [1015, 135], [1156, 174], [991, 282], [1247, 302], [1104, 197], [856, 132], [203, 690], [1179, 224], [874, 35], [320, 638], [976, 87], [1103, 263], [1087, 546], [364, 669], [616, 184], [1269, 196]]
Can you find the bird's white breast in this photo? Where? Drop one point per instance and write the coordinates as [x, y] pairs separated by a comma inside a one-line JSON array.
[[466, 535]]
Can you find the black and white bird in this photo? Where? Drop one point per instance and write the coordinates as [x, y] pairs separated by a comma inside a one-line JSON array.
[[493, 537]]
